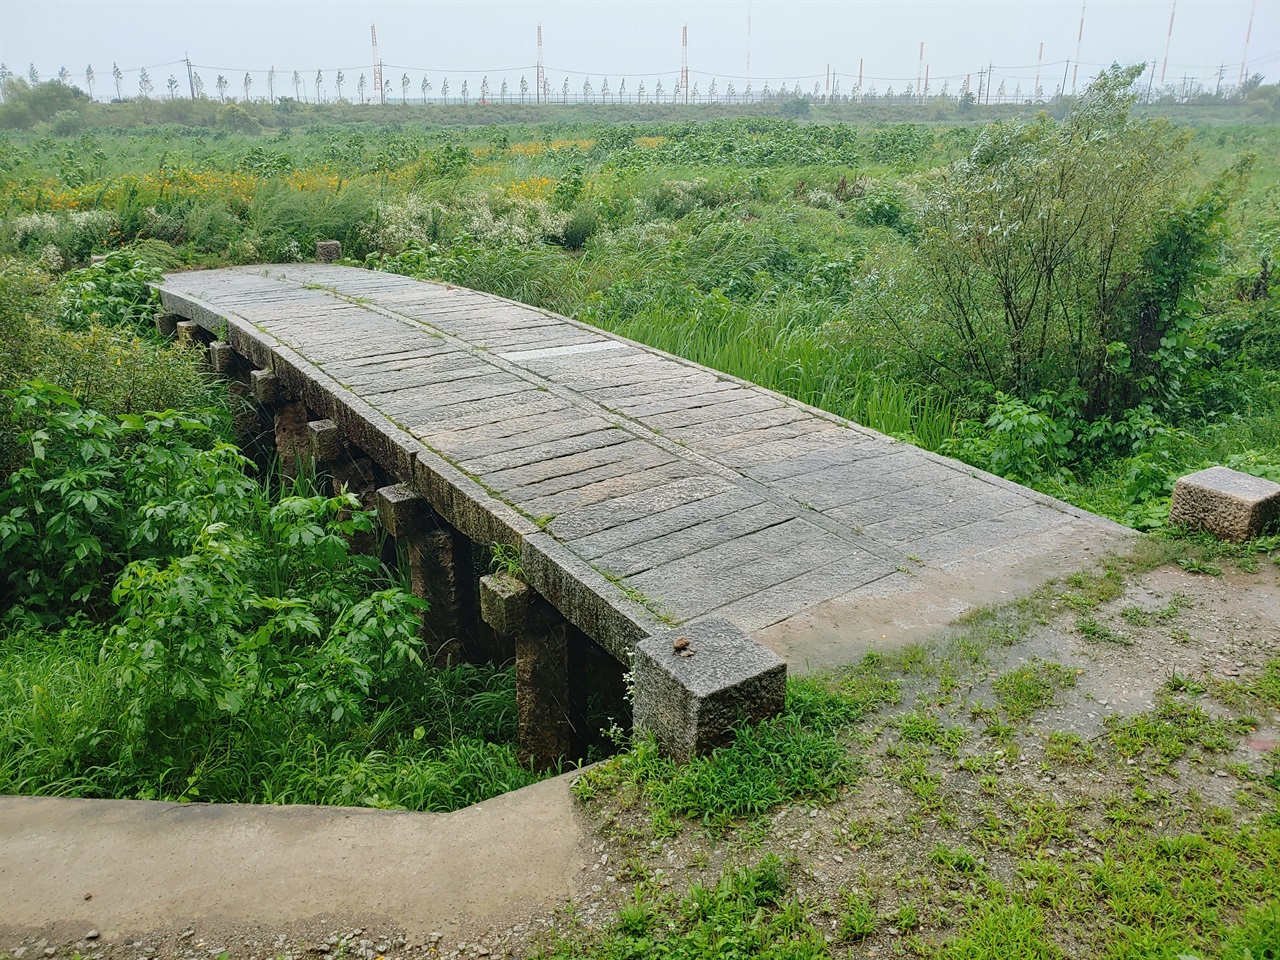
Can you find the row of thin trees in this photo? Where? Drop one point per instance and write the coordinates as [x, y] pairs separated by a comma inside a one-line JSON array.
[[307, 90]]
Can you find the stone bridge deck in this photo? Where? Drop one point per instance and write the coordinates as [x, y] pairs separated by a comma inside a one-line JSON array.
[[642, 490]]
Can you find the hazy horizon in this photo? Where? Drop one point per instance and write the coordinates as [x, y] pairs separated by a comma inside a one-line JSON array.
[[795, 42]]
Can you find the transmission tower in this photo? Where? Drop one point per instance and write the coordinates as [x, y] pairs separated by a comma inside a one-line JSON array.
[[1079, 37], [1168, 40], [542, 77], [684, 63], [377, 64], [1244, 60], [920, 70]]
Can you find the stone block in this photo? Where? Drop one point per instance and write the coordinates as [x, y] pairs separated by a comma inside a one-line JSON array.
[[1229, 504], [401, 511], [694, 683], [325, 440], [504, 603], [221, 358], [188, 332], [265, 385], [167, 324], [327, 251]]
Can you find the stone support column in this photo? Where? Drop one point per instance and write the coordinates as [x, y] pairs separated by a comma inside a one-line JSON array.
[[543, 702], [432, 572]]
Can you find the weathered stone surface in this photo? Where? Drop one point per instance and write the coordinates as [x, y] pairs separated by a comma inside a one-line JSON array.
[[693, 684], [188, 332], [504, 603], [717, 495], [434, 577], [292, 443], [325, 439], [167, 324], [1229, 504], [542, 697], [265, 386], [401, 510], [327, 251], [222, 358]]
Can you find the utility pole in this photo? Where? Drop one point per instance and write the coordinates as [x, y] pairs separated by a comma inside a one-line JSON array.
[[191, 80], [1151, 80], [1064, 79], [1217, 91], [990, 71]]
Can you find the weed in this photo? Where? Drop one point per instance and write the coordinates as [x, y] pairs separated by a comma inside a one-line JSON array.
[[1026, 689]]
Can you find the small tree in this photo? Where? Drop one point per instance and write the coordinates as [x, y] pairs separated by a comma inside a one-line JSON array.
[[297, 85], [524, 89], [33, 74], [587, 90], [197, 81], [465, 94], [502, 91], [426, 88], [248, 82], [640, 92], [144, 84], [5, 76], [386, 91], [172, 84], [319, 80], [404, 90], [657, 91], [1046, 276], [271, 85], [221, 85], [711, 91], [622, 90], [564, 90], [117, 75], [89, 78], [360, 85], [604, 90], [339, 79], [484, 90], [64, 76]]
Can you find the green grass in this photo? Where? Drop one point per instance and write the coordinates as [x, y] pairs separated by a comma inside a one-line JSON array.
[[1026, 689], [746, 914]]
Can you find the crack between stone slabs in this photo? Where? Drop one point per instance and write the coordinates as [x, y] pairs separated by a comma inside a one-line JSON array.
[[645, 433], [802, 608], [692, 550]]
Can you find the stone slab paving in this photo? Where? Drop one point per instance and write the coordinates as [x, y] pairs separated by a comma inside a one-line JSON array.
[[666, 491]]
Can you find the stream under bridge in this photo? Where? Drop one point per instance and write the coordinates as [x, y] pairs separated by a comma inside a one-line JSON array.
[[632, 490]]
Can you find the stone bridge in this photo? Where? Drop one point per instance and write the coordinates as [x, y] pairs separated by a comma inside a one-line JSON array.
[[630, 491]]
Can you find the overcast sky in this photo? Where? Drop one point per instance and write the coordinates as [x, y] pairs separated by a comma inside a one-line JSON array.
[[628, 38]]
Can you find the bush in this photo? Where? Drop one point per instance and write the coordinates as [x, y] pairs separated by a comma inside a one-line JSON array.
[[580, 227]]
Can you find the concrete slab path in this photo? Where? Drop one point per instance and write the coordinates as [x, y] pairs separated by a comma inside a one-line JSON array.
[[130, 867]]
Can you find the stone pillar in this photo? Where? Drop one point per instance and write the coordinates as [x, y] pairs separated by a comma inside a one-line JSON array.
[[293, 445], [432, 571], [167, 324], [188, 332], [327, 251], [542, 669], [222, 359]]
